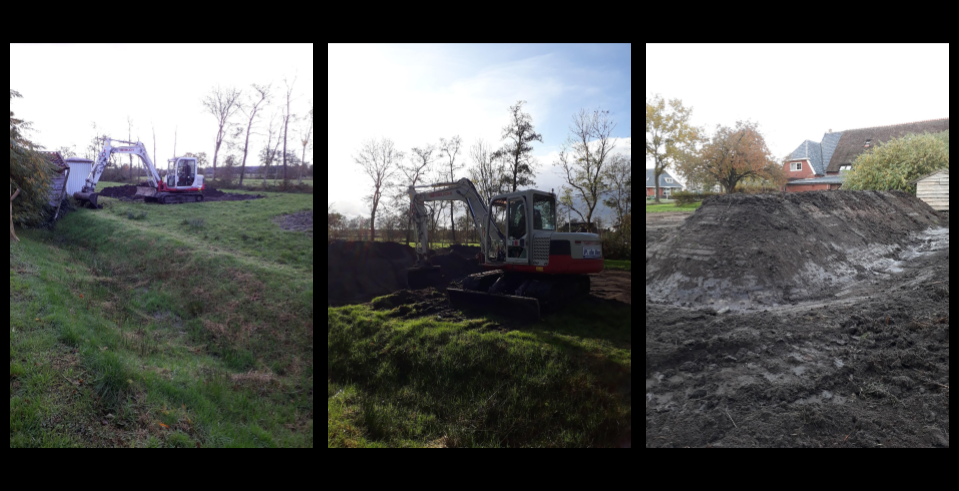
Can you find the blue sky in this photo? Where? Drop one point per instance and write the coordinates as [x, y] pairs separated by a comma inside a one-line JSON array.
[[416, 94]]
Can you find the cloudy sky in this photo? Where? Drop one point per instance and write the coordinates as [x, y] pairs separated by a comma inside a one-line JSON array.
[[67, 88], [415, 95], [798, 92]]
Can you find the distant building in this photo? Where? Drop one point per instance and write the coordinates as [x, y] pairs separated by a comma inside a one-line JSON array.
[[667, 184], [820, 166]]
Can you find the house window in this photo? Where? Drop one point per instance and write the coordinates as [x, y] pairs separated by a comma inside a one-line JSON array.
[[795, 167], [845, 168], [669, 180]]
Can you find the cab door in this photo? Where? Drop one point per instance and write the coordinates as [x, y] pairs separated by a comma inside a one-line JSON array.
[[517, 238]]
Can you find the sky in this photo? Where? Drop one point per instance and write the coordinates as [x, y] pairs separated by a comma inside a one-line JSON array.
[[417, 94], [68, 87], [799, 92]]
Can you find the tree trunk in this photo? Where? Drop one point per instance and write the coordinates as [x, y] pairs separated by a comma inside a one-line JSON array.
[[13, 234]]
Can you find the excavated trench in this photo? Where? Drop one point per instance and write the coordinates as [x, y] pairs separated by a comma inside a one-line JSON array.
[[128, 193], [808, 320]]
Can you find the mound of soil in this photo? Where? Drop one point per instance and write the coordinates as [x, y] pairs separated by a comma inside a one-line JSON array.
[[128, 193], [612, 285], [869, 370], [297, 222], [755, 251], [358, 272]]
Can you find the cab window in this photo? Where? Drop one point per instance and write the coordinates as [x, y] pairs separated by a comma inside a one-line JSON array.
[[544, 212]]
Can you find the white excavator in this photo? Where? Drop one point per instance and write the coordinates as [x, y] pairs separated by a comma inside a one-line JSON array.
[[183, 183], [532, 267]]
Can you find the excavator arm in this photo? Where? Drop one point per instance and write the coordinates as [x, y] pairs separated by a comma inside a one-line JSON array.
[[88, 194], [461, 190]]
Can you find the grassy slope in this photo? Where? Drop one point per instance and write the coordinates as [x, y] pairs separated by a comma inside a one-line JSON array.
[[153, 333], [425, 382], [671, 208]]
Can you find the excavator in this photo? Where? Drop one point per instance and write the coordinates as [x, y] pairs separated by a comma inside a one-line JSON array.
[[531, 267], [183, 183]]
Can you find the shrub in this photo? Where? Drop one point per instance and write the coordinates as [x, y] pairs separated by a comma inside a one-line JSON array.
[[893, 165]]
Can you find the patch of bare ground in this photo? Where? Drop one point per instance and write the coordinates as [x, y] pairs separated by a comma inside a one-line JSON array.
[[297, 222]]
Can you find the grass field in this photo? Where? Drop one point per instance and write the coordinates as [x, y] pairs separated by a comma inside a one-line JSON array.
[[425, 382], [666, 208], [163, 326], [617, 265]]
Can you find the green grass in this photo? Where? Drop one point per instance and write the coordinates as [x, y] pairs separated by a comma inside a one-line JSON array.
[[617, 265], [666, 208], [144, 332], [563, 382]]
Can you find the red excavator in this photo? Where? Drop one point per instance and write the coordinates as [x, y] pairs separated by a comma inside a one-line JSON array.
[[531, 266]]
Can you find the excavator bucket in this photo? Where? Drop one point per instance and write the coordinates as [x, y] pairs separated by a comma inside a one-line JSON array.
[[424, 277], [511, 306], [146, 191], [87, 199]]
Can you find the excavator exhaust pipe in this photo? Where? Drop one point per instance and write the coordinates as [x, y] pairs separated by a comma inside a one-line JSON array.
[[89, 199]]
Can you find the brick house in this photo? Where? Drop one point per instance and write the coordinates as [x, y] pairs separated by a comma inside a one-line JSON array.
[[819, 166], [667, 184]]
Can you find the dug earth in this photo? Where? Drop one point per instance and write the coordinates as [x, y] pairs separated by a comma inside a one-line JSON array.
[[803, 320]]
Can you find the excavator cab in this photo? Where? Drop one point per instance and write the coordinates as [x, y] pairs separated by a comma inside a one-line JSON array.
[[181, 173]]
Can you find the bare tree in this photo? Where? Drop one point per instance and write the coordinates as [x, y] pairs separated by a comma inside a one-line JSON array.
[[286, 123], [175, 130], [269, 153], [583, 157], [130, 139], [451, 148], [518, 152], [154, 128], [306, 136], [379, 160], [249, 110], [222, 104], [420, 164], [488, 172]]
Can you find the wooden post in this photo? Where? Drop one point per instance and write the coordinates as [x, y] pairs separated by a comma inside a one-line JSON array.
[[13, 234]]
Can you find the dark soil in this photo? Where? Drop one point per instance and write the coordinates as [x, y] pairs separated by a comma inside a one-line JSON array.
[[748, 251], [358, 272], [297, 222], [612, 285], [128, 193], [867, 366]]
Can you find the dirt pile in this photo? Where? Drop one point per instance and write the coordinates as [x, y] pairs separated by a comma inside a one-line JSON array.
[[128, 193], [867, 370], [361, 271], [358, 272], [748, 251]]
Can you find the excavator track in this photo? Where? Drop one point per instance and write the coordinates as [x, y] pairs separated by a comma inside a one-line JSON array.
[[518, 295]]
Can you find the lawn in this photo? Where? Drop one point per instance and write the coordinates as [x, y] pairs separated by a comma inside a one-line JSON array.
[[163, 326], [617, 265], [482, 382], [671, 207]]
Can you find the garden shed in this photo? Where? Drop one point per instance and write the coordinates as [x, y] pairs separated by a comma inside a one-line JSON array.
[[79, 170], [934, 189]]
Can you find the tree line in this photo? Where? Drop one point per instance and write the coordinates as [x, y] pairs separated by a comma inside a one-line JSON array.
[[592, 173], [239, 115], [737, 159]]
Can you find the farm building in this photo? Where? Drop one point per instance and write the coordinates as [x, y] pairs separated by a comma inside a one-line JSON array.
[[934, 189], [667, 184], [819, 166]]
